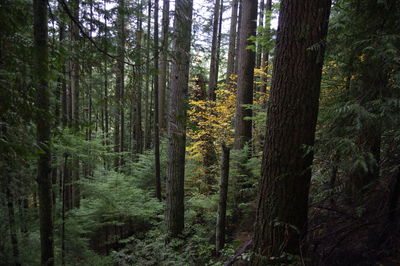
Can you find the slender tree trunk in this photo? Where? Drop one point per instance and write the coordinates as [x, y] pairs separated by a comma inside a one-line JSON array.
[[259, 49], [232, 40], [156, 107], [106, 116], [137, 103], [147, 128], [281, 219], [74, 103], [246, 61], [174, 215], [75, 69], [43, 121], [212, 82], [221, 13], [62, 80], [265, 55], [238, 36], [63, 208], [223, 195], [12, 226], [119, 88], [163, 66]]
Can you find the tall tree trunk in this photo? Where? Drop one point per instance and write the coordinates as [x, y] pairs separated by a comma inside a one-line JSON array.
[[265, 55], [223, 195], [212, 82], [232, 40], [236, 67], [163, 66], [137, 140], [219, 38], [174, 215], [106, 118], [246, 62], [156, 107], [281, 219], [75, 69], [119, 88], [74, 107], [260, 26], [43, 121], [210, 156], [62, 80], [147, 128]]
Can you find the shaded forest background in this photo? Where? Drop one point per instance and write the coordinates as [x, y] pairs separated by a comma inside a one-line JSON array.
[[166, 133]]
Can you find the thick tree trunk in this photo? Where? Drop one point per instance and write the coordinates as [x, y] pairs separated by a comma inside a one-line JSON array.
[[163, 66], [174, 215], [281, 219], [223, 195], [232, 40], [156, 108], [246, 62], [43, 121]]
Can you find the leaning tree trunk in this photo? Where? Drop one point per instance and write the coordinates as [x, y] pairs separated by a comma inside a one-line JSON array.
[[174, 215], [43, 121], [281, 219], [245, 76]]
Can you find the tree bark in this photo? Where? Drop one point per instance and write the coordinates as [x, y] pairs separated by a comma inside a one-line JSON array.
[[265, 55], [236, 67], [246, 62], [147, 105], [212, 82], [259, 50], [232, 40], [137, 140], [163, 66], [119, 88], [106, 116], [43, 122], [156, 108], [281, 219], [223, 195], [177, 118]]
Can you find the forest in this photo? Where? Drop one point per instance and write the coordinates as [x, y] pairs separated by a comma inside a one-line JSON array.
[[188, 132]]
